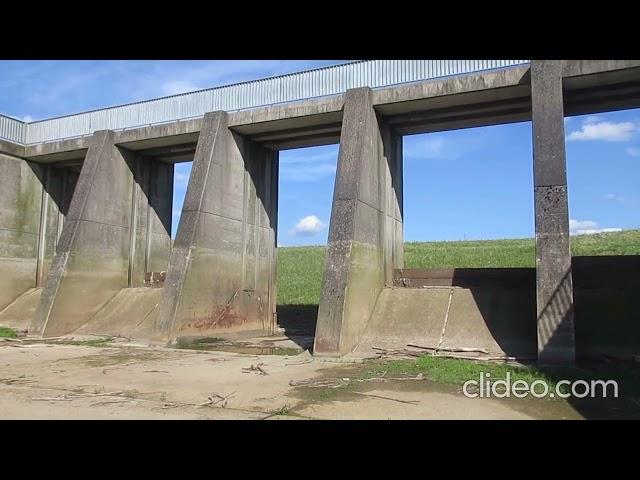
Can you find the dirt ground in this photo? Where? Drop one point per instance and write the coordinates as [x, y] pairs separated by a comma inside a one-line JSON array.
[[134, 381]]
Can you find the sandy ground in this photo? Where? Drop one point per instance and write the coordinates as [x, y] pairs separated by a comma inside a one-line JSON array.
[[52, 381]]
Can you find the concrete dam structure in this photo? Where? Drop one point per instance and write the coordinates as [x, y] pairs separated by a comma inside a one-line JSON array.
[[85, 213]]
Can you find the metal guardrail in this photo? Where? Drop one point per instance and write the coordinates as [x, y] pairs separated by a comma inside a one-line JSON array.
[[12, 130], [285, 88]]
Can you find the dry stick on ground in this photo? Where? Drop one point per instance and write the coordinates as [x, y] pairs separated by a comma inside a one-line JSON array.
[[215, 399], [7, 339], [62, 398], [410, 402], [451, 349], [503, 358], [255, 368], [408, 353]]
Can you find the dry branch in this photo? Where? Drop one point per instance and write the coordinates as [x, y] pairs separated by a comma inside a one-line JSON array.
[[451, 349], [410, 402]]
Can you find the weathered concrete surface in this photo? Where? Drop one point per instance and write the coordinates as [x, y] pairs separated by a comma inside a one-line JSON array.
[[131, 313], [556, 342], [91, 264], [19, 313], [365, 241], [501, 320], [221, 277], [20, 204]]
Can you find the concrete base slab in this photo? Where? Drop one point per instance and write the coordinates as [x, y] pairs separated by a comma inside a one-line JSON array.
[[130, 313], [497, 319], [18, 313]]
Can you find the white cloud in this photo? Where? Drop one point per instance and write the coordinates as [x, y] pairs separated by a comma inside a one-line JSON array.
[[305, 172], [430, 146], [307, 226], [181, 178], [27, 118], [585, 227], [443, 146], [593, 119], [614, 198], [175, 87], [634, 152], [606, 131], [308, 164]]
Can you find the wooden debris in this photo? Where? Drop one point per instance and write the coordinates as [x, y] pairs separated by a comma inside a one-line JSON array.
[[7, 339], [216, 399], [16, 381], [451, 349], [255, 368], [107, 402], [444, 353], [330, 382], [62, 398], [410, 402], [338, 382]]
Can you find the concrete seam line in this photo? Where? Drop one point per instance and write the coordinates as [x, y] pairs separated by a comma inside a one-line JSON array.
[[446, 320]]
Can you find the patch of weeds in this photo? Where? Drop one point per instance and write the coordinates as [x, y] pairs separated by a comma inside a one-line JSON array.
[[458, 371], [7, 332], [286, 351], [121, 358], [98, 342]]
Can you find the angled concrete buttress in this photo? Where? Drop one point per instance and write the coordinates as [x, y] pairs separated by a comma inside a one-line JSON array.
[[554, 289], [221, 276], [92, 260], [365, 234]]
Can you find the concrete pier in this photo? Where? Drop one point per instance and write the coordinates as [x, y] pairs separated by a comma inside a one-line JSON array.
[[221, 277], [365, 234], [554, 290]]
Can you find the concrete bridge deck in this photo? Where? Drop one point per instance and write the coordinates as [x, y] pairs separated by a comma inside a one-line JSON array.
[[87, 218]]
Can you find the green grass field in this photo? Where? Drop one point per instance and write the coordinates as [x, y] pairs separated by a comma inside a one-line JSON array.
[[300, 269]]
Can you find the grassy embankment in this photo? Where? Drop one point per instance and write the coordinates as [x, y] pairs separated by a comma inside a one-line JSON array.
[[300, 268]]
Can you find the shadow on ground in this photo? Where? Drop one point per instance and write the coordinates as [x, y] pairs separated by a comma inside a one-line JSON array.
[[299, 323]]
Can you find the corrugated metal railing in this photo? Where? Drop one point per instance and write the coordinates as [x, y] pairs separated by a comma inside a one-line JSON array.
[[12, 129], [286, 88]]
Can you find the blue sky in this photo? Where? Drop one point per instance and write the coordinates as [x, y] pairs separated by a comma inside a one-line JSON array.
[[463, 184]]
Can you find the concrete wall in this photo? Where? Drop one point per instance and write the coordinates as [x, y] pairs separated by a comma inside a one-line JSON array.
[[152, 213], [222, 269], [91, 264], [365, 234], [59, 184], [33, 202], [20, 203]]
